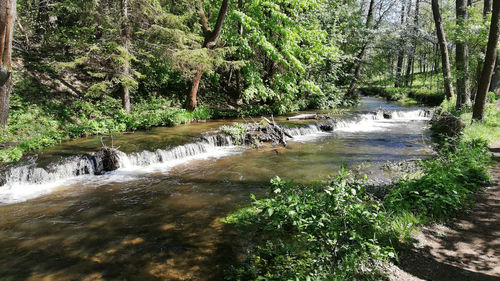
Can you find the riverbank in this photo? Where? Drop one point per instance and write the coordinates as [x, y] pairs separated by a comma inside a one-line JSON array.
[[334, 236], [465, 249], [33, 126], [406, 95], [48, 122]]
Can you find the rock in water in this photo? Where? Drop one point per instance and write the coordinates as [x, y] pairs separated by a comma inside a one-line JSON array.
[[387, 114], [109, 160]]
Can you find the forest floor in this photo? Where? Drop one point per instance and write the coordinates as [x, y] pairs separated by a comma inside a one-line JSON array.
[[468, 249]]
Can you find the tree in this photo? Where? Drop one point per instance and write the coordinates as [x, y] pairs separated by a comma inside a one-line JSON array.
[[125, 91], [487, 6], [362, 54], [211, 37], [399, 63], [7, 20], [411, 55], [443, 46], [488, 65], [462, 57]]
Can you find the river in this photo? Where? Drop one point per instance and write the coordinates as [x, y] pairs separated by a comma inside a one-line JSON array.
[[158, 216]]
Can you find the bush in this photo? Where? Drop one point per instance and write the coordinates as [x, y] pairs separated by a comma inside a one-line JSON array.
[[334, 231], [319, 232], [448, 182], [446, 126]]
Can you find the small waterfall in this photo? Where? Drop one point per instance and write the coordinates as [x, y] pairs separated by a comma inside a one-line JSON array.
[[368, 121], [147, 158], [23, 182], [305, 130], [419, 114], [26, 181], [30, 174]]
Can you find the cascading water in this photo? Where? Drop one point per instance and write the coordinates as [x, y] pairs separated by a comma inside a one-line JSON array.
[[27, 181], [210, 143], [24, 182], [363, 122]]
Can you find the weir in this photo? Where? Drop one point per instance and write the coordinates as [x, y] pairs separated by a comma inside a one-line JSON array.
[[27, 180]]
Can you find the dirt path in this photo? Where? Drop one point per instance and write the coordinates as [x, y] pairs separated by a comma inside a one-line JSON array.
[[468, 250]]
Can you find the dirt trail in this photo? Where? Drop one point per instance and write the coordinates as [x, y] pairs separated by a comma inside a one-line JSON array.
[[468, 250]]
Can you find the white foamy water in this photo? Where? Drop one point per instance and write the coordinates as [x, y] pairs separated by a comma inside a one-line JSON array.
[[378, 122], [25, 182]]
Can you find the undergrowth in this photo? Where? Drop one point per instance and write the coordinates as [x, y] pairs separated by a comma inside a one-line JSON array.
[[35, 126], [337, 231]]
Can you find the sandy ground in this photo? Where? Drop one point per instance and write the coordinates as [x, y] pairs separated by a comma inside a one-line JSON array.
[[466, 250]]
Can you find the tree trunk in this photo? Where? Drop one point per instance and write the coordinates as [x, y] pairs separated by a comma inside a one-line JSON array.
[[362, 54], [489, 64], [210, 42], [125, 91], [462, 58], [486, 10], [238, 71], [411, 56], [448, 86], [7, 20], [399, 65], [192, 103]]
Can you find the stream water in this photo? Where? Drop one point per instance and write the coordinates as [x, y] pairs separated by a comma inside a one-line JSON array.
[[157, 217]]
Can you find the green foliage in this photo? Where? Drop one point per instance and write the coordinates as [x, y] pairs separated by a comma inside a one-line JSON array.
[[320, 232], [236, 131], [283, 45], [32, 127], [335, 231], [488, 129], [448, 182]]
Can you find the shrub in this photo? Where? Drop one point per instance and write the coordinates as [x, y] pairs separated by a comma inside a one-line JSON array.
[[446, 126], [319, 232], [448, 182]]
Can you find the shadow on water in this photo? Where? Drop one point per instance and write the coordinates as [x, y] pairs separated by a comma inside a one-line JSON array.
[[146, 233]]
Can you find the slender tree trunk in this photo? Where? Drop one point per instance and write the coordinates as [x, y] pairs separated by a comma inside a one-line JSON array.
[[462, 58], [7, 21], [411, 56], [42, 19], [238, 72], [125, 91], [489, 64], [210, 42], [192, 102], [443, 45], [362, 54], [487, 6], [399, 64]]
